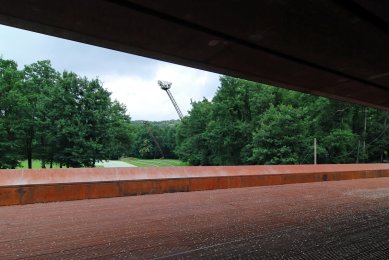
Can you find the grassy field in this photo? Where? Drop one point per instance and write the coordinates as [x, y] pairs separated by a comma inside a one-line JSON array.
[[154, 162], [36, 164]]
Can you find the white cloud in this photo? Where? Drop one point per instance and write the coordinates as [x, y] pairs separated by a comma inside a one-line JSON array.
[[131, 79], [144, 98]]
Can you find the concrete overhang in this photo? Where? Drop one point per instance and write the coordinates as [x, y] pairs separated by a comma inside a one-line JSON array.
[[338, 49]]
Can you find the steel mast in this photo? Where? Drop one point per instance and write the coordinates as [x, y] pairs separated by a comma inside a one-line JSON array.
[[166, 86]]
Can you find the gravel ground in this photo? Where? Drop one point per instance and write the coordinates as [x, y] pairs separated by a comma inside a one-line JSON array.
[[328, 220]]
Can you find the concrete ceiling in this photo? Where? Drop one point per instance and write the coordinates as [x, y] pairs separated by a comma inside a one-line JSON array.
[[338, 49]]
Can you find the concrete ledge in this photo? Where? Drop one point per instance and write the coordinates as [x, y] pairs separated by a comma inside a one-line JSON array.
[[49, 185]]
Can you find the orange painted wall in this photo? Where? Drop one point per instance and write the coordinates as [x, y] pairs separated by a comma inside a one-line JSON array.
[[48, 185]]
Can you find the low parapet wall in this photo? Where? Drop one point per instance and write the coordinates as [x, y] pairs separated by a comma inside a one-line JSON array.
[[49, 185]]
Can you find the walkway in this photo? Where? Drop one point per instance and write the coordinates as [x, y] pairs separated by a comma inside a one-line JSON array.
[[339, 219], [114, 164]]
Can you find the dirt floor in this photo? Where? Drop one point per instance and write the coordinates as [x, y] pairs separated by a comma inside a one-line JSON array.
[[328, 220]]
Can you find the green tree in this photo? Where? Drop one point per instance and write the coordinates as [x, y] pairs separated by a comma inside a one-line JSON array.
[[340, 146], [282, 137], [95, 113], [165, 134], [90, 126], [376, 139], [10, 99], [146, 149], [68, 131], [39, 79], [120, 132], [251, 123], [192, 142], [229, 128]]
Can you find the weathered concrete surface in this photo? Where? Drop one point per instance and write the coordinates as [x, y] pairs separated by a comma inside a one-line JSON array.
[[336, 49], [327, 220], [48, 185]]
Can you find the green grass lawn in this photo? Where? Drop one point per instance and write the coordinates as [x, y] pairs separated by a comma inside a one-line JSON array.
[[36, 164], [154, 162]]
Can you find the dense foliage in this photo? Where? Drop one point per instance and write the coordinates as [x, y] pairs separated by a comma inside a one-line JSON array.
[[251, 123], [147, 137], [70, 120], [61, 118]]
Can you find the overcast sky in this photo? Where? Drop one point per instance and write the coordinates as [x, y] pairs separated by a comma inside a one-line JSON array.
[[131, 79]]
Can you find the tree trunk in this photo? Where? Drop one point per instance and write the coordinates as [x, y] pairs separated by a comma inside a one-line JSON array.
[[364, 138], [29, 153], [43, 146], [29, 159], [29, 139]]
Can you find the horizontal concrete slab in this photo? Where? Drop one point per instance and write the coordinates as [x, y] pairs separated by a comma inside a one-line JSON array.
[[48, 185], [337, 49]]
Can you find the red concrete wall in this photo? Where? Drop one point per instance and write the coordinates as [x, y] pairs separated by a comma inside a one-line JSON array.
[[47, 185]]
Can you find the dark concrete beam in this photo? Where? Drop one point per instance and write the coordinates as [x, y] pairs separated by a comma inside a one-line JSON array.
[[330, 48]]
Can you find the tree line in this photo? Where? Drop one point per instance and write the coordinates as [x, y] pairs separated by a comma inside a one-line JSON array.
[[58, 118], [252, 123], [71, 120], [154, 140]]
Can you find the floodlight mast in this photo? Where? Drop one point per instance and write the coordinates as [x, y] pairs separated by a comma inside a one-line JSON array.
[[166, 86]]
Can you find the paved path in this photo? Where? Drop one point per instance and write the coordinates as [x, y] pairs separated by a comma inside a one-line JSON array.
[[327, 220], [113, 164]]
